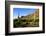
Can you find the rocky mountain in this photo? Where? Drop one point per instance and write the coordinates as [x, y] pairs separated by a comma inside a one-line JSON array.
[[31, 20], [35, 15]]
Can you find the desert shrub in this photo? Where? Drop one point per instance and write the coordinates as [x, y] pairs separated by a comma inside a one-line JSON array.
[[37, 20], [30, 20], [27, 23], [22, 16], [18, 22], [23, 20], [15, 20]]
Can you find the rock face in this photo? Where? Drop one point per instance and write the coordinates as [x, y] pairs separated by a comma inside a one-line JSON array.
[[31, 16], [31, 20]]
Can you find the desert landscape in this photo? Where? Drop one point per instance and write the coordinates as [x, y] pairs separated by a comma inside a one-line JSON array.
[[30, 20]]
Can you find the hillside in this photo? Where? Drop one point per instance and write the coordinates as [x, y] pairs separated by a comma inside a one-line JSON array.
[[31, 20], [31, 16]]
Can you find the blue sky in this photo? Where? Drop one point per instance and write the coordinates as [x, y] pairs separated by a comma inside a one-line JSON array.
[[22, 11]]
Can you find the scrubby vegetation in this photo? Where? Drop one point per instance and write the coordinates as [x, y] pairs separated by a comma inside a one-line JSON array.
[[27, 21]]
